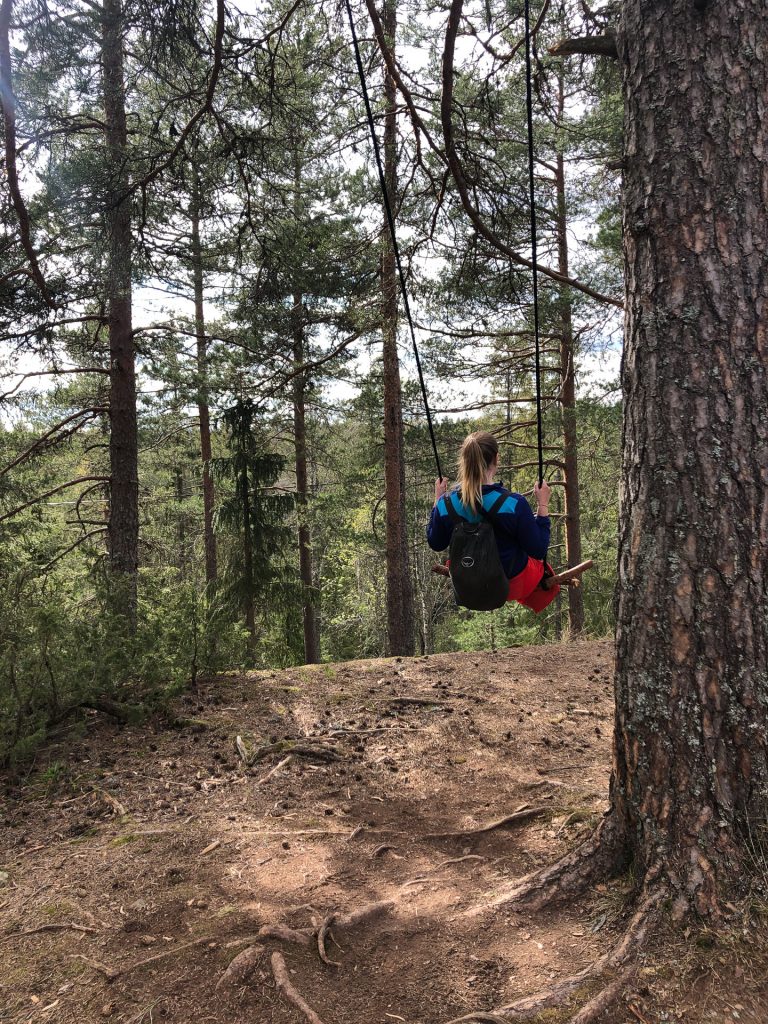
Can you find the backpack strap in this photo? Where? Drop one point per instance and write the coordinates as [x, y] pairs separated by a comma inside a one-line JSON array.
[[490, 514], [453, 514]]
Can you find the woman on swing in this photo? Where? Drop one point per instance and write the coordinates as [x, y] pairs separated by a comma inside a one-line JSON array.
[[521, 537]]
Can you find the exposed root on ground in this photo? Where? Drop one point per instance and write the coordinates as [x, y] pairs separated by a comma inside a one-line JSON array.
[[319, 933], [524, 813], [242, 967], [619, 959], [322, 934], [283, 982], [281, 932], [597, 858]]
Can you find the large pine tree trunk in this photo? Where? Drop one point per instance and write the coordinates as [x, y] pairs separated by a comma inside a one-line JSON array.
[[568, 395], [203, 410], [691, 746], [400, 606], [123, 443]]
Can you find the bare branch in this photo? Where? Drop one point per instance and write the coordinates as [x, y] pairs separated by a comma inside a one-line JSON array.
[[78, 542], [40, 442], [53, 373], [53, 490]]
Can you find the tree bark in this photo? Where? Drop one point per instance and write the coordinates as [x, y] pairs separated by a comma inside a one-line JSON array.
[[123, 441], [691, 748], [203, 410], [400, 607], [568, 394]]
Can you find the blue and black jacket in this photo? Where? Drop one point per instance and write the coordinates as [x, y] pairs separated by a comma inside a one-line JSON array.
[[519, 533]]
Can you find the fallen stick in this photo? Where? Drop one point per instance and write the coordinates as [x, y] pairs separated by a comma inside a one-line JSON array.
[[273, 771], [111, 973], [283, 983], [67, 926], [522, 814]]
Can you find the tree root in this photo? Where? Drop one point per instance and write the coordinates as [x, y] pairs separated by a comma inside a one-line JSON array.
[[521, 814], [598, 857], [281, 932], [242, 967], [320, 933], [283, 982], [631, 943]]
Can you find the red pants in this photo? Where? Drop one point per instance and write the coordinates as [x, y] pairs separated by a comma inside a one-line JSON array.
[[524, 588]]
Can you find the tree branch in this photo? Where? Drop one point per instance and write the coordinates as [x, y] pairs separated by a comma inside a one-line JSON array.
[[87, 413], [8, 104], [53, 373], [457, 170], [53, 490], [204, 108], [596, 46], [78, 542]]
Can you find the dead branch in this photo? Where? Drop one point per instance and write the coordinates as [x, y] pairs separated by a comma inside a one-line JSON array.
[[111, 973], [283, 982], [52, 373], [64, 927], [280, 764], [84, 414], [522, 814], [78, 542]]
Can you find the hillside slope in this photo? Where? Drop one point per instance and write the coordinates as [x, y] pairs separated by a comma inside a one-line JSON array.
[[144, 860]]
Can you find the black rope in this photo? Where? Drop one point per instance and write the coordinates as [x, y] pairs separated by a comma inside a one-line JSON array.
[[537, 344], [391, 223]]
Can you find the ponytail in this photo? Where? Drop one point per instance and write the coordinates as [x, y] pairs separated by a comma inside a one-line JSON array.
[[477, 453]]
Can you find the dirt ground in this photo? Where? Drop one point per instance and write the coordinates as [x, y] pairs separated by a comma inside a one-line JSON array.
[[137, 863]]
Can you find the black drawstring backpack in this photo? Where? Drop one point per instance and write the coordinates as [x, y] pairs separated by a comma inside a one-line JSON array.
[[478, 577]]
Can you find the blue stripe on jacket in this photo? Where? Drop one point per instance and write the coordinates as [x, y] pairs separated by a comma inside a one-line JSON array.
[[519, 534]]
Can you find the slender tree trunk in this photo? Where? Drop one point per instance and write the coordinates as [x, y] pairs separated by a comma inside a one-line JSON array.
[[203, 411], [123, 442], [250, 619], [309, 613], [568, 396], [691, 742], [400, 607], [311, 638]]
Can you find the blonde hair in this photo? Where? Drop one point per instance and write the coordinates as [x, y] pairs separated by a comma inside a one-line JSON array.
[[477, 453]]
